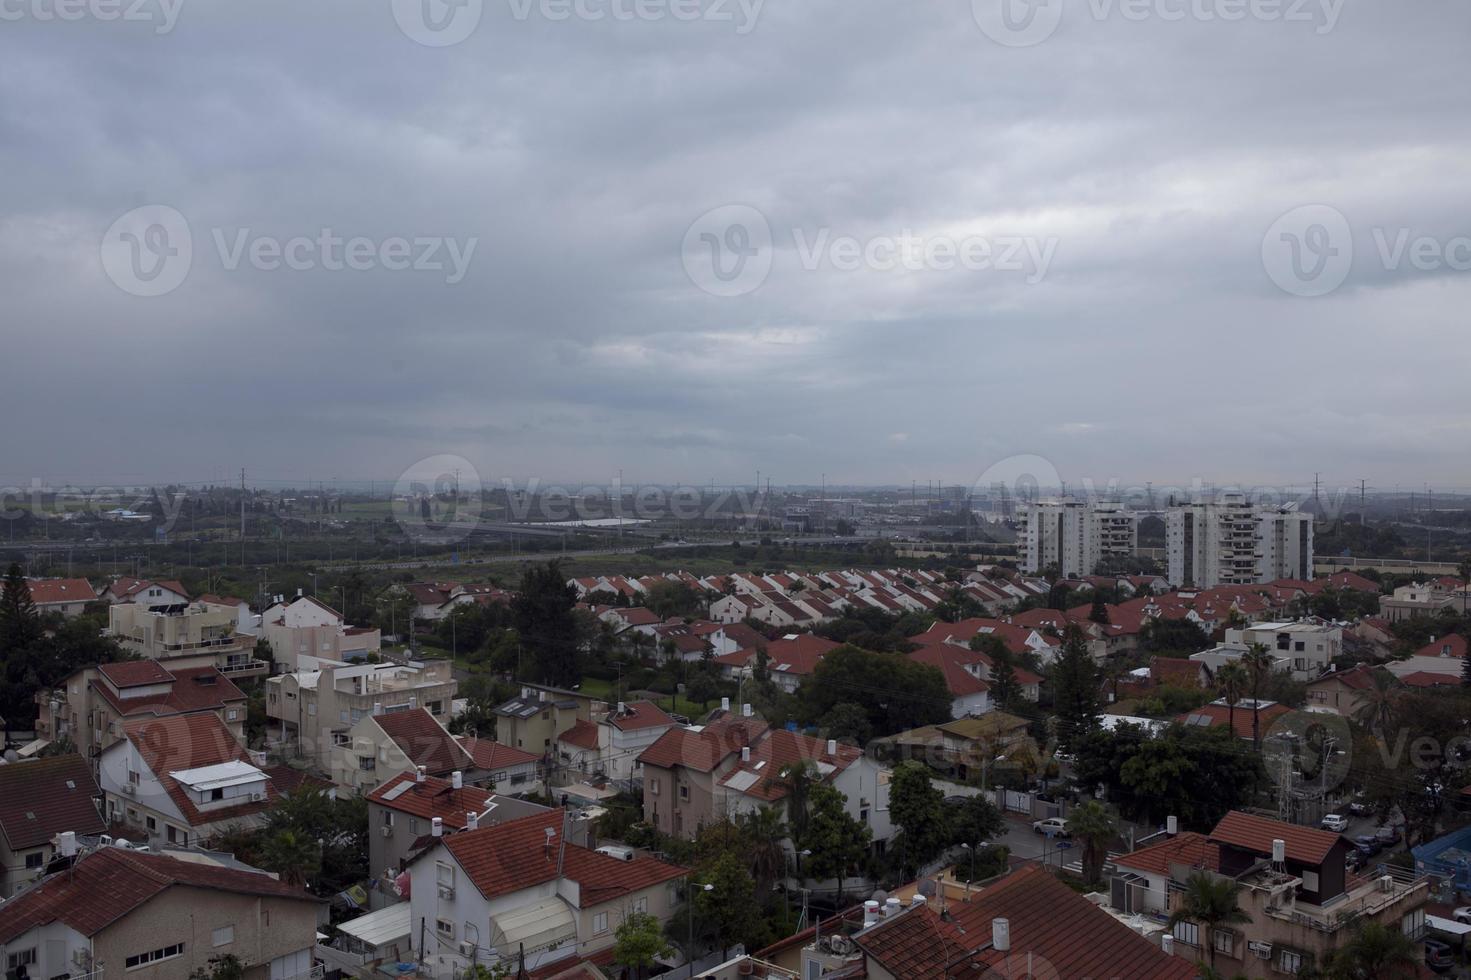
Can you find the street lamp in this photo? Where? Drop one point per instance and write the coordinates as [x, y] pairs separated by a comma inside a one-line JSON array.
[[689, 950]]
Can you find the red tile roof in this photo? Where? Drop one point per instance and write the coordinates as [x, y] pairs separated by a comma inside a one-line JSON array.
[[54, 591], [434, 797], [584, 735], [1426, 678], [1219, 715], [180, 742], [135, 673], [779, 749], [799, 655], [1175, 671], [489, 754], [1450, 645], [126, 589], [520, 854], [1191, 849], [736, 658], [639, 715], [42, 798], [1306, 845], [743, 635], [951, 661], [705, 749], [424, 740], [190, 689], [1054, 928], [109, 883]]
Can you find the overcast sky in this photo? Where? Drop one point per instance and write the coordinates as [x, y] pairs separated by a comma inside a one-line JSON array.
[[1125, 169]]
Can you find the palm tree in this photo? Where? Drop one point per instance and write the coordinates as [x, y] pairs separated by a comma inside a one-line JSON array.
[[1258, 663], [1095, 826], [1377, 704], [1209, 901], [1232, 682], [1377, 951], [799, 777], [293, 856], [764, 833]]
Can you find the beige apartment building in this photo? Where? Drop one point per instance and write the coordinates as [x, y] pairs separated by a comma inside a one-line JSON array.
[[315, 710], [186, 635]]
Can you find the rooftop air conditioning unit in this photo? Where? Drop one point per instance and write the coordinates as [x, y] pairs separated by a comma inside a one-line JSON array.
[[257, 797], [467, 949]]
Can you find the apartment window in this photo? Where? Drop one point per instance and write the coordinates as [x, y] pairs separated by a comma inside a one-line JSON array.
[[684, 791], [154, 956], [1310, 881], [232, 714], [1413, 924], [34, 859], [388, 818], [133, 777], [654, 786], [152, 825], [24, 957], [641, 906], [1187, 933], [1224, 942], [600, 923], [311, 708], [435, 707], [413, 825], [1288, 961], [216, 795], [132, 815], [445, 874], [223, 936], [445, 928]]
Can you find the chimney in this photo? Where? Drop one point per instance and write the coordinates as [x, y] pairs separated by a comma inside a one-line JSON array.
[[832, 746], [1167, 944], [457, 779], [891, 908], [66, 846], [746, 753], [870, 913], [1172, 825], [436, 827], [472, 820], [622, 709], [725, 704], [419, 774], [746, 710], [1001, 935]]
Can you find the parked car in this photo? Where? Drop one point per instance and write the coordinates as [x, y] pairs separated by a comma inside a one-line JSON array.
[[1335, 822], [1462, 914], [1368, 844], [1438, 956], [1359, 808], [1056, 826], [1388, 835]]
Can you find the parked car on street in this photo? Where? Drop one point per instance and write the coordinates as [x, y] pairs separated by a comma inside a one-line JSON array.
[[1388, 835], [1056, 826], [1368, 844], [1335, 822], [1438, 956]]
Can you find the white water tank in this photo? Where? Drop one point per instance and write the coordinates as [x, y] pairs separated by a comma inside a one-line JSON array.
[[1001, 935], [1279, 851]]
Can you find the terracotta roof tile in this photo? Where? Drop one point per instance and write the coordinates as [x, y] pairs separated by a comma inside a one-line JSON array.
[[489, 754], [584, 735], [434, 797], [192, 741], [1255, 834], [52, 591], [761, 776], [190, 689], [135, 673], [705, 749], [424, 740], [1192, 849], [639, 715], [42, 798]]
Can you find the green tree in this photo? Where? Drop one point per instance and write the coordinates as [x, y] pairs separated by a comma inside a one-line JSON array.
[[1211, 902], [1231, 683], [799, 778], [638, 942], [975, 821], [293, 855], [731, 904], [1099, 612], [838, 841], [918, 809], [1377, 951], [763, 837], [542, 614], [20, 623], [226, 967], [1075, 688], [897, 693], [849, 721], [1093, 825], [1258, 664]]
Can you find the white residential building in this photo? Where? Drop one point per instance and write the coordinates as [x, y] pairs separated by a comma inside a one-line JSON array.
[[1303, 649], [1231, 541], [1074, 535]]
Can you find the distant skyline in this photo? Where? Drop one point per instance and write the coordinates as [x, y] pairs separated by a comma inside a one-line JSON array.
[[1148, 172]]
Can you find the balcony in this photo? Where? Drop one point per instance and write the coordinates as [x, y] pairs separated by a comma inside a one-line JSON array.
[[243, 668]]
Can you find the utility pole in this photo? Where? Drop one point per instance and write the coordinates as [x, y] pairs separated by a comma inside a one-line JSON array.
[[242, 517], [1361, 502]]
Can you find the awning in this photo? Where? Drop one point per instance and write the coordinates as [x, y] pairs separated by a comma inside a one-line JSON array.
[[382, 927], [540, 926]]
